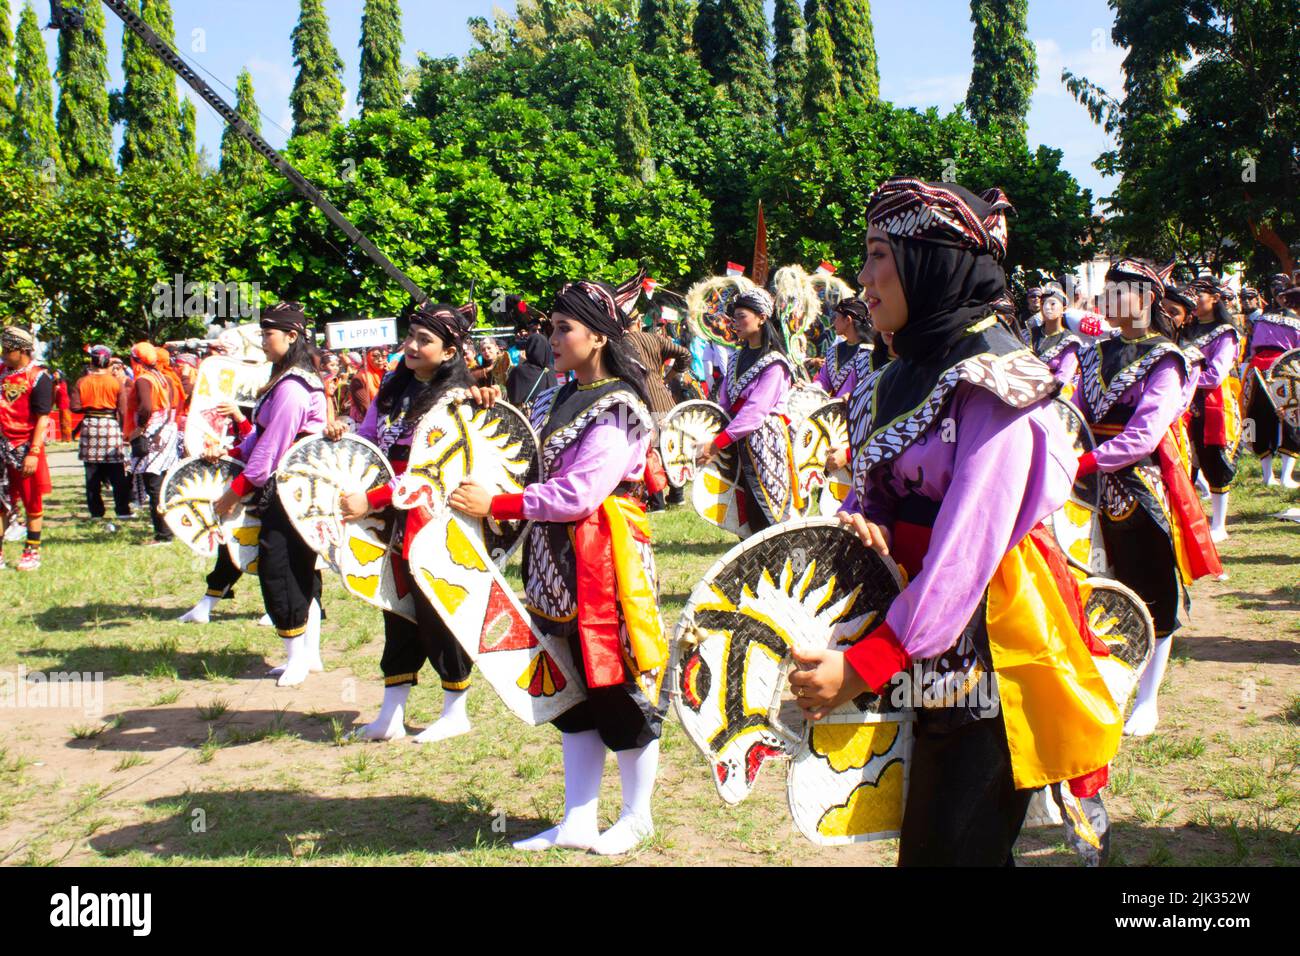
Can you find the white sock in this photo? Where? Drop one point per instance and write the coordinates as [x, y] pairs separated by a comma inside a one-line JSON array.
[[201, 612], [297, 669], [1219, 517], [265, 621], [1202, 485], [389, 725], [584, 762], [454, 720], [637, 769], [279, 669], [1288, 466], [1266, 467], [312, 634], [1142, 721]]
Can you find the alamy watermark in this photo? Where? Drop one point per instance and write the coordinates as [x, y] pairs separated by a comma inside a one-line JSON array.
[[57, 690], [208, 299]]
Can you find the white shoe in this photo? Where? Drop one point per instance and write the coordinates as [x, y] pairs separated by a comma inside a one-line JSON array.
[[1218, 535], [265, 621], [16, 532], [201, 612]]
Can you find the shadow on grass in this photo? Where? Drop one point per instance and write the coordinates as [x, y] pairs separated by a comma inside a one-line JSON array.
[[287, 826], [1276, 599], [1236, 650], [162, 728], [101, 614], [162, 661]]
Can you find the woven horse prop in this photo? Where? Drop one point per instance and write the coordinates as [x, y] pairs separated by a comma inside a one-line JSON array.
[[190, 489], [454, 558], [808, 583]]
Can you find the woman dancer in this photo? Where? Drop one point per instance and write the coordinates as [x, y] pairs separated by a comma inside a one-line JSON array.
[[1275, 330], [1215, 410], [754, 392], [1054, 343], [589, 568], [838, 376], [431, 364], [1133, 388], [958, 458], [290, 406]]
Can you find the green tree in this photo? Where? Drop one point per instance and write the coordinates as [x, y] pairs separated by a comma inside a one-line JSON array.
[[815, 185], [732, 37], [239, 162], [1005, 66], [85, 132], [34, 134], [664, 24], [381, 57], [790, 63], [148, 104], [317, 95], [189, 133], [633, 139], [822, 81], [7, 104], [849, 22]]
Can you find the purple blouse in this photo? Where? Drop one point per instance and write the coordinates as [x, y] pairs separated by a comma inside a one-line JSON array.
[[291, 410], [765, 395], [823, 379], [1065, 367], [1273, 335], [369, 430], [586, 473], [1220, 356], [1157, 400], [1006, 470]]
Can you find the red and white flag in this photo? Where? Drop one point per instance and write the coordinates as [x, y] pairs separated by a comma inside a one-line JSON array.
[[735, 270], [827, 268], [648, 286]]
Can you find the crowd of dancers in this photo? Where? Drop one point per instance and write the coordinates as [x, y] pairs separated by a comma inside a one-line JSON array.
[[956, 460]]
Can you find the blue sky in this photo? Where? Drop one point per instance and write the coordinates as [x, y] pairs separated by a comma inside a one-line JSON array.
[[924, 48]]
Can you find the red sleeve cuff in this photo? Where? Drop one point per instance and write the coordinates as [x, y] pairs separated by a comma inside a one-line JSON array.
[[244, 428], [242, 486], [1087, 465], [722, 441], [878, 657], [508, 507], [380, 498]]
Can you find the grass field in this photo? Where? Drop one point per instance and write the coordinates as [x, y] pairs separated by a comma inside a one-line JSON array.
[[196, 758]]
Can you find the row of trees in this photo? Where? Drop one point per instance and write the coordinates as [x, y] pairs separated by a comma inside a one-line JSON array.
[[579, 137]]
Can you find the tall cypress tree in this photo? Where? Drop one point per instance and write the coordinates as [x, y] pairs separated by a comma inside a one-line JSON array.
[[7, 104], [732, 37], [317, 96], [1005, 66], [381, 57], [849, 22], [790, 64], [822, 83], [33, 132], [662, 25], [188, 133], [149, 105], [632, 135], [85, 132], [238, 160]]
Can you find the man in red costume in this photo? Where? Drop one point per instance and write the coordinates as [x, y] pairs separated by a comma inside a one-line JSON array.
[[26, 399]]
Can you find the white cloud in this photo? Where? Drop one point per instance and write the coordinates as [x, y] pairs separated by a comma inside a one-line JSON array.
[[943, 91]]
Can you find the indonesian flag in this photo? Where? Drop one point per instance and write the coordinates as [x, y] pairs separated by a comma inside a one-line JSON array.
[[827, 268], [667, 314], [648, 286], [735, 270]]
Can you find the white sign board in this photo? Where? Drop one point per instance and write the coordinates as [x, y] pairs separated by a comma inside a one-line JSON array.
[[360, 334]]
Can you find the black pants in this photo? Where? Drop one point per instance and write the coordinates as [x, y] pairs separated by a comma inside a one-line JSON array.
[[622, 715], [408, 645], [1143, 558], [755, 516], [114, 472], [153, 487], [286, 570], [1213, 462], [1271, 434], [963, 808], [221, 581]]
